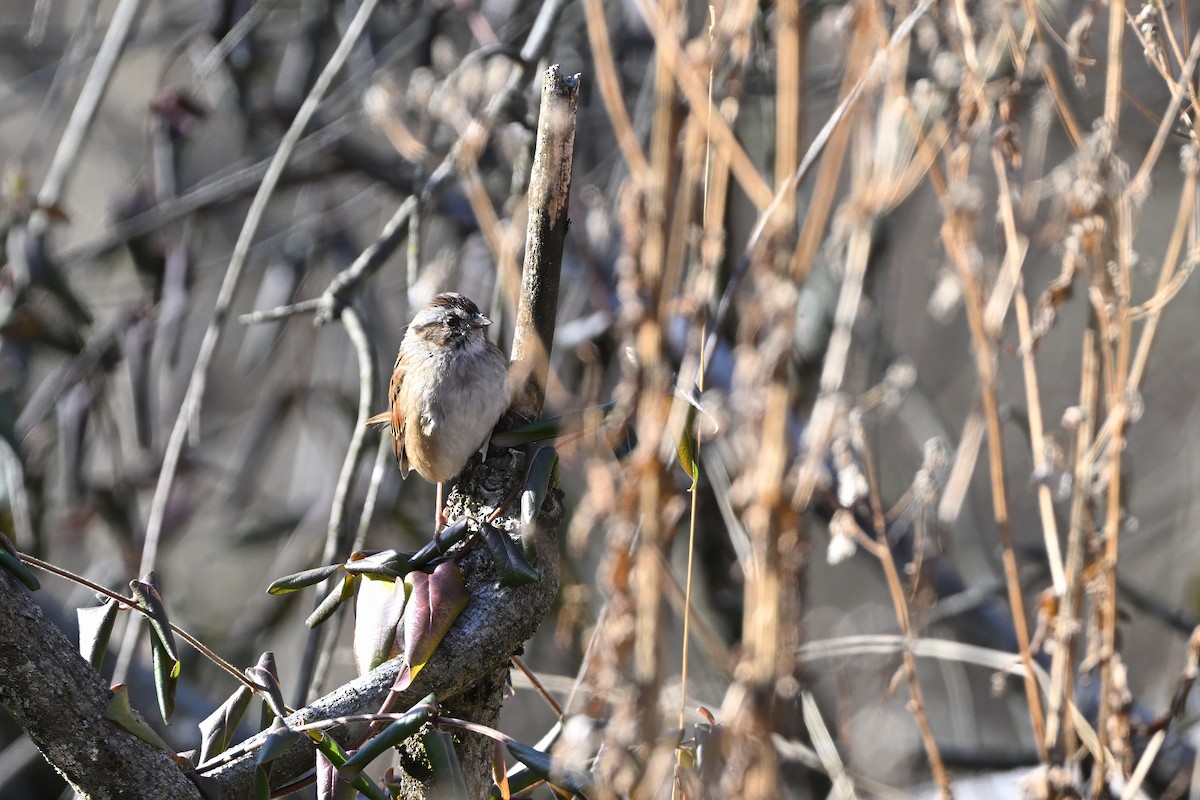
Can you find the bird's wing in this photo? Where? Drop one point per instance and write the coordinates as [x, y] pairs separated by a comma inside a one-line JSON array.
[[397, 417]]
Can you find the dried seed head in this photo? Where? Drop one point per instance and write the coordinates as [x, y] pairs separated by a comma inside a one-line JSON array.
[[897, 382], [843, 533], [947, 70], [946, 297], [1073, 417], [1189, 161], [935, 469]]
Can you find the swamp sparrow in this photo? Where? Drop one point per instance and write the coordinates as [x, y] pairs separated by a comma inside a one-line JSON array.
[[449, 388]]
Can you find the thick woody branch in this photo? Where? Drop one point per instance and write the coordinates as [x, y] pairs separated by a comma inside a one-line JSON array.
[[60, 701], [495, 623], [549, 190]]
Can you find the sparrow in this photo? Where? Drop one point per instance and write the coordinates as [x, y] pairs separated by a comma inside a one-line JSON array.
[[449, 388]]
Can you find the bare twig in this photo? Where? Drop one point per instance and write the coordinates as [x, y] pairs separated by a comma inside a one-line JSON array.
[[62, 704], [814, 150], [337, 536], [333, 300], [189, 412], [237, 182], [120, 599], [94, 87]]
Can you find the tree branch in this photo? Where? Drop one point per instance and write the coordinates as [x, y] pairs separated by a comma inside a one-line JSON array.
[[60, 701], [549, 190], [495, 623]]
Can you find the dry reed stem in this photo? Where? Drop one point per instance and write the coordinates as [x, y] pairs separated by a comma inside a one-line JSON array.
[[821, 202], [670, 57], [610, 90], [1037, 444], [1118, 409], [1112, 86], [955, 240], [881, 549], [1163, 291], [497, 234], [995, 660], [819, 433], [1034, 17], [1060, 736], [1017, 247], [965, 458], [789, 97]]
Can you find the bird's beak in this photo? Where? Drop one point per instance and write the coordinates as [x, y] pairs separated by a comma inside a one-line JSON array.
[[480, 321]]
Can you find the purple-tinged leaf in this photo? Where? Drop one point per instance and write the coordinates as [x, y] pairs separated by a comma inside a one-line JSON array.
[[265, 676], [434, 603], [149, 598], [336, 757], [330, 784]]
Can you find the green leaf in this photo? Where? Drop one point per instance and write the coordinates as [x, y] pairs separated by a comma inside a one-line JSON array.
[[454, 533], [391, 736], [448, 778], [95, 627], [386, 563], [12, 564], [514, 569], [218, 728], [150, 601], [545, 428], [434, 603], [378, 608], [166, 677], [686, 447], [122, 713], [542, 765], [262, 782], [299, 580], [537, 486], [278, 741], [338, 595]]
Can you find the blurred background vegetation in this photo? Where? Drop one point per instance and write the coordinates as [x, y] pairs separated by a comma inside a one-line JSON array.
[[920, 270]]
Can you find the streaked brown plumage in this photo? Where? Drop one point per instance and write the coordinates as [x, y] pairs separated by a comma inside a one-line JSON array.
[[449, 388]]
